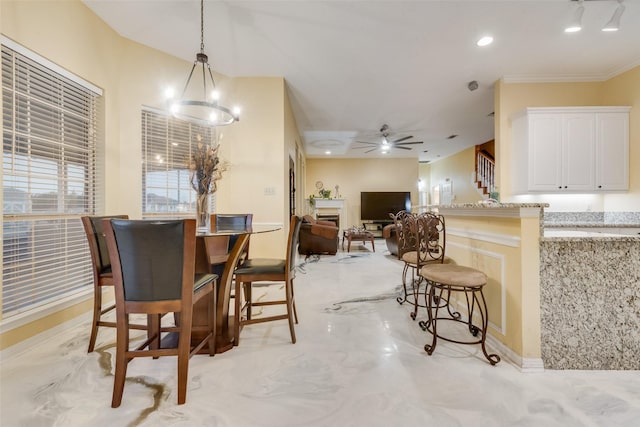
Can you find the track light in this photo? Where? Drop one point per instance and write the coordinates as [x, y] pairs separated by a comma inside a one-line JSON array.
[[576, 21], [614, 22]]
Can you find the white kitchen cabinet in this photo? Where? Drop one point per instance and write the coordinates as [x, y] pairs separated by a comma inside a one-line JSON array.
[[570, 150], [612, 153]]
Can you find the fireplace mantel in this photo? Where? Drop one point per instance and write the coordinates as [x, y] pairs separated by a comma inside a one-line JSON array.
[[328, 206]]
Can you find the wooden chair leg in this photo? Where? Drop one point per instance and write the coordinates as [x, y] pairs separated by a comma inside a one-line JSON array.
[[238, 313], [212, 322], [247, 290], [290, 311], [153, 328], [97, 308], [120, 374], [183, 362], [293, 303]]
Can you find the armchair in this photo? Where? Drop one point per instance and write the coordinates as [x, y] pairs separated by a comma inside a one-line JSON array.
[[318, 237], [391, 237]]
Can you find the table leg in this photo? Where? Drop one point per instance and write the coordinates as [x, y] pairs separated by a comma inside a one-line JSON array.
[[224, 326]]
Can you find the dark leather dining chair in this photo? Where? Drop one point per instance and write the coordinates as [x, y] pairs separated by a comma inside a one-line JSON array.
[[102, 276], [273, 271], [231, 222], [153, 266]]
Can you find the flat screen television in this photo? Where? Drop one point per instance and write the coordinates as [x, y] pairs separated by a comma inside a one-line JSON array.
[[377, 205]]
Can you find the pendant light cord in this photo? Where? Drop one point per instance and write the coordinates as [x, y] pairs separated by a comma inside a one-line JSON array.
[[201, 26]]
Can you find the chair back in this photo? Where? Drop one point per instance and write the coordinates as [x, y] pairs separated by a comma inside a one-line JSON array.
[[292, 242], [97, 242], [231, 221], [407, 232], [148, 259], [431, 237]]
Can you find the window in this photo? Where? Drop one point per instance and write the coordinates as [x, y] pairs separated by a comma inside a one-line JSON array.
[[166, 147], [48, 165]]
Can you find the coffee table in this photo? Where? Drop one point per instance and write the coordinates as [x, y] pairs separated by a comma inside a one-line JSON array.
[[361, 235]]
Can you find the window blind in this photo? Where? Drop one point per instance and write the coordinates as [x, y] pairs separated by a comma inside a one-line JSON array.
[[167, 143], [49, 179]]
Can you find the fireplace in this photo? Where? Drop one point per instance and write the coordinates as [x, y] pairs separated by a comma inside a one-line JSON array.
[[331, 210], [329, 217]]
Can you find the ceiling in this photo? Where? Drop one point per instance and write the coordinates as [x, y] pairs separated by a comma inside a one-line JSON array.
[[353, 66]]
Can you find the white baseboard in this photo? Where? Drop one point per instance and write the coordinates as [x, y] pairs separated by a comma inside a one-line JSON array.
[[527, 365]]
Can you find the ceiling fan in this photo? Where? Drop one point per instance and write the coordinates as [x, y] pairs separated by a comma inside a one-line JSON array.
[[387, 143]]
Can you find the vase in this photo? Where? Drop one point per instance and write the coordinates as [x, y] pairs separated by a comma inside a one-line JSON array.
[[203, 218]]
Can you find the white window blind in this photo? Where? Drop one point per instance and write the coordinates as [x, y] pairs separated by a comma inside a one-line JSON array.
[[48, 165], [167, 143]]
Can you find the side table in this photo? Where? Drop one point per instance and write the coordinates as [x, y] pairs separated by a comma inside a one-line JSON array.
[[361, 235]]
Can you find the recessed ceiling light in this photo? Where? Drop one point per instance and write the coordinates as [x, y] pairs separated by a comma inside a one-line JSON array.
[[485, 41]]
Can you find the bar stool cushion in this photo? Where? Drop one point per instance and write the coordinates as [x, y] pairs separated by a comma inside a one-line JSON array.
[[455, 275]]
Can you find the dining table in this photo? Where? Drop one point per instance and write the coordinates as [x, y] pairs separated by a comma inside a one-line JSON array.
[[212, 248]]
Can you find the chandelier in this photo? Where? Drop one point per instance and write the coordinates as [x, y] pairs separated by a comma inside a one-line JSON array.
[[204, 107]]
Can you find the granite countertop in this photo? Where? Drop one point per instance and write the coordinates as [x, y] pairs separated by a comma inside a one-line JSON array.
[[591, 220], [561, 234], [494, 205], [548, 225]]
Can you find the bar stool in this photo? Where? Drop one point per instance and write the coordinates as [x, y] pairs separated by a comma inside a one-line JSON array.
[[442, 281], [425, 242]]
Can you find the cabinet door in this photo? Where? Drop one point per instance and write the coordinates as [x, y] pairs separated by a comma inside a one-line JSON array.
[[545, 152], [612, 158], [578, 152]]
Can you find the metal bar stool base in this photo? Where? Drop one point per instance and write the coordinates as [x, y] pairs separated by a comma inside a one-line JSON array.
[[437, 296]]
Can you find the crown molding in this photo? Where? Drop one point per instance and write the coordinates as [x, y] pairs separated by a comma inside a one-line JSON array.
[[566, 78]]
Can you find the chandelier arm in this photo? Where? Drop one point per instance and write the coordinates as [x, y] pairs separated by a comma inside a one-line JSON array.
[[204, 83], [189, 79], [213, 82]]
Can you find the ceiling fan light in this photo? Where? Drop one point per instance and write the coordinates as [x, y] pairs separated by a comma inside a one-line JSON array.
[[614, 22]]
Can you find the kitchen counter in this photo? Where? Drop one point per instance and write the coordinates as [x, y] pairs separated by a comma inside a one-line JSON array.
[[590, 299], [563, 289]]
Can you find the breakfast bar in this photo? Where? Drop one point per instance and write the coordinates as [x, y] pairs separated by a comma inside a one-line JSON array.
[[561, 295], [502, 240]]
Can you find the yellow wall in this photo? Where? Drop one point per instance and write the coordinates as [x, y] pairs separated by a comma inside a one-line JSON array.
[[131, 76], [255, 147], [356, 175], [623, 90], [459, 169]]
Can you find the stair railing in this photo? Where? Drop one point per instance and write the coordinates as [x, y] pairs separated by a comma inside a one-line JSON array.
[[485, 172]]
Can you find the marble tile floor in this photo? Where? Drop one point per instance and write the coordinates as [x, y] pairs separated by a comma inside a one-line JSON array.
[[359, 361]]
